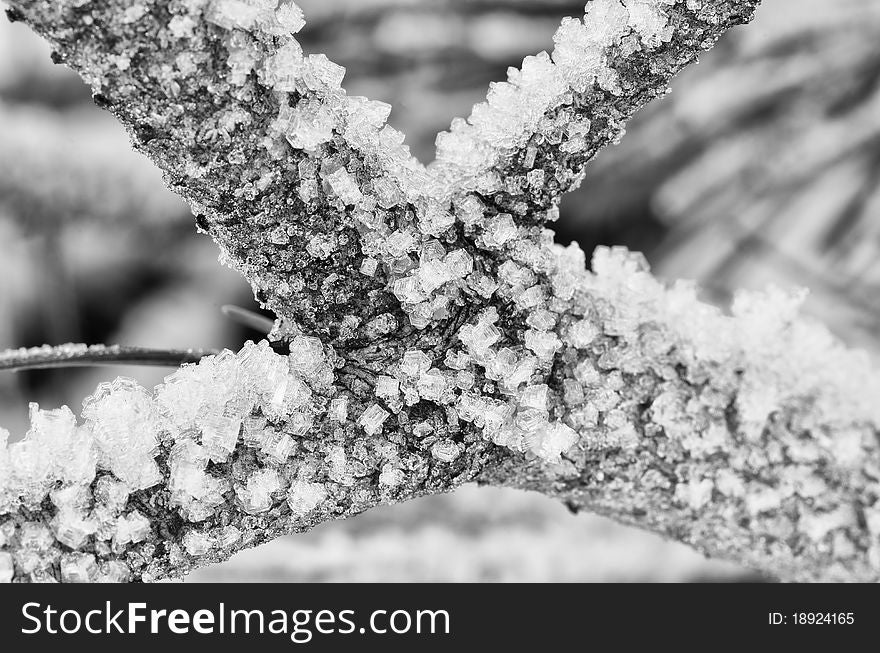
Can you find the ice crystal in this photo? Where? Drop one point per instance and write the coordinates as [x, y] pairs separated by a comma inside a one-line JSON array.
[[78, 568], [431, 385], [535, 396], [344, 187], [369, 266], [446, 451], [227, 536], [220, 435], [391, 476], [256, 494], [71, 524], [303, 497], [478, 338], [192, 488], [387, 388], [306, 357], [278, 446], [196, 543], [499, 231], [414, 363], [279, 17], [649, 22], [373, 418], [339, 469], [54, 448], [339, 409], [196, 417], [131, 528], [6, 567]]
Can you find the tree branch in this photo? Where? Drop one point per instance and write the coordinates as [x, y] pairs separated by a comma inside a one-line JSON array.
[[81, 355], [448, 339], [248, 318]]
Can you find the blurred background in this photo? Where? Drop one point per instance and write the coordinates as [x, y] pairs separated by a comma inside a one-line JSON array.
[[761, 167]]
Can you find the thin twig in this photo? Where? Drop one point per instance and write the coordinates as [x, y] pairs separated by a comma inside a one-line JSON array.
[[81, 355], [250, 319]]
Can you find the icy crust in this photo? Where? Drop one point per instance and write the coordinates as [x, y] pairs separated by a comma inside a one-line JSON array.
[[300, 182], [129, 439], [520, 109], [760, 416], [760, 407], [415, 223]]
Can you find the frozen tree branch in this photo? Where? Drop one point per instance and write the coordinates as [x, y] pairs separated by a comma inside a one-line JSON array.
[[248, 318], [81, 355], [436, 334]]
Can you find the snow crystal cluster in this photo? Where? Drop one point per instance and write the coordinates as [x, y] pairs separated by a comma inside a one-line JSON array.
[[770, 394], [516, 110], [204, 416], [277, 17], [408, 215], [350, 158]]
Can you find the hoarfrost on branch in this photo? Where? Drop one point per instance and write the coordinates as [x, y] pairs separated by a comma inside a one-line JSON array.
[[433, 333]]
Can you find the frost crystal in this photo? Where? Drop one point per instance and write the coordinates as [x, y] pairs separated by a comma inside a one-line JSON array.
[[279, 17], [131, 528], [555, 440], [54, 448], [390, 476], [6, 567], [344, 187], [228, 536], [256, 495], [278, 447], [369, 266], [220, 435], [387, 388], [446, 451], [372, 419], [480, 337], [125, 424], [339, 409], [303, 497], [289, 16], [78, 568], [649, 22], [544, 344], [414, 363], [192, 488], [534, 396], [70, 524], [196, 543], [307, 126], [306, 356], [499, 230], [431, 385]]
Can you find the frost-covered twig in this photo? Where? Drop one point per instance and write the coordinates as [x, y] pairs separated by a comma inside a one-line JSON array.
[[437, 335], [82, 355], [248, 318]]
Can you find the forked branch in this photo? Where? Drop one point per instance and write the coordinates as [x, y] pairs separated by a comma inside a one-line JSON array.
[[437, 335]]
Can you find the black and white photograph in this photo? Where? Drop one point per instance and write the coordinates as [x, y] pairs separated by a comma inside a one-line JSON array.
[[440, 291]]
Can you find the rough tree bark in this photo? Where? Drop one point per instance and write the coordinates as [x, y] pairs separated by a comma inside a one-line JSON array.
[[436, 334]]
